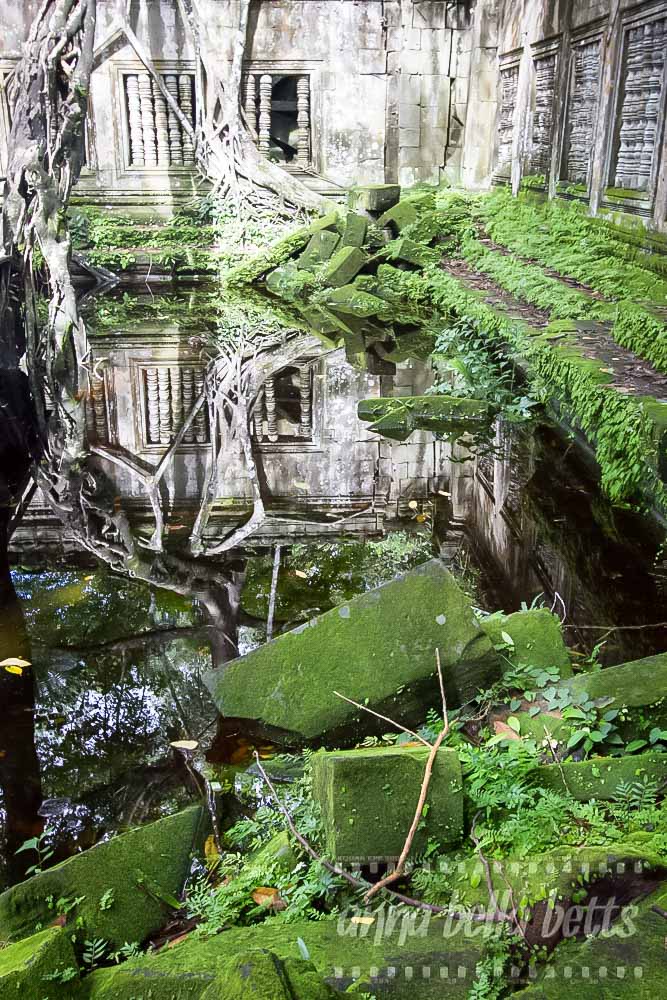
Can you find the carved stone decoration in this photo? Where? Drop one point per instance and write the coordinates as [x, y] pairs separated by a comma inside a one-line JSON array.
[[164, 404], [305, 401], [201, 431], [161, 128], [188, 387], [147, 119], [545, 85], [185, 104], [175, 137], [642, 82], [134, 121], [250, 103], [97, 424], [303, 120], [264, 131], [270, 403], [509, 80], [582, 112], [177, 415], [152, 407]]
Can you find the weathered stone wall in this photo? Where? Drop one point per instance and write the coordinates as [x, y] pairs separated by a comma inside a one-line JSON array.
[[387, 87], [581, 95]]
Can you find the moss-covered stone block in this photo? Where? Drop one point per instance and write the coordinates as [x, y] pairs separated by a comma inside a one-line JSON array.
[[288, 282], [368, 800], [320, 248], [270, 258], [600, 778], [637, 684], [321, 322], [441, 414], [373, 957], [24, 966], [373, 197], [537, 636], [407, 211], [259, 974], [367, 649], [625, 963], [343, 266], [411, 252], [354, 233], [352, 300], [144, 871]]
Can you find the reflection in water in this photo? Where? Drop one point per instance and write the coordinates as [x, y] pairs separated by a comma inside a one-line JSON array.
[[209, 449]]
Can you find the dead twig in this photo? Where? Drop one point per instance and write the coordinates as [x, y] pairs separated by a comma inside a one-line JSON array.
[[358, 883], [385, 718], [407, 847]]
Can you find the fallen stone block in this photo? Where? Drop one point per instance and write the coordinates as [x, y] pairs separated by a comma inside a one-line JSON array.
[[378, 648], [537, 639], [320, 248], [374, 956], [321, 321], [354, 233], [260, 975], [290, 245], [368, 800], [343, 266], [602, 777], [288, 282], [373, 198], [352, 300], [139, 873], [407, 211], [25, 966], [441, 414], [412, 252], [637, 684], [627, 961]]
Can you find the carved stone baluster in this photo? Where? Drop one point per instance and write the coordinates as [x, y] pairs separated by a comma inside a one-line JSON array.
[[545, 82], [265, 85], [509, 80], [250, 103], [134, 121], [188, 387], [90, 418], [176, 399], [164, 403], [260, 408], [303, 120], [305, 401], [582, 111], [100, 410], [270, 400], [161, 127], [175, 137], [152, 407], [147, 119], [640, 108], [201, 432], [185, 104]]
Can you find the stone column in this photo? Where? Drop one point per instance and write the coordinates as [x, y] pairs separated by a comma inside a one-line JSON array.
[[265, 85], [152, 407], [201, 436], [303, 120], [161, 128], [176, 399], [164, 404], [99, 410], [188, 387], [250, 103], [185, 104], [305, 427], [147, 120], [270, 400], [134, 122], [175, 137]]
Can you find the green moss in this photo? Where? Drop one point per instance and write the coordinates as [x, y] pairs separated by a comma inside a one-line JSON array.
[[600, 778], [343, 952], [343, 266], [255, 268], [260, 975], [24, 966], [354, 232], [145, 869], [320, 247], [442, 414], [368, 800], [636, 685], [537, 637], [629, 961], [353, 300], [368, 649]]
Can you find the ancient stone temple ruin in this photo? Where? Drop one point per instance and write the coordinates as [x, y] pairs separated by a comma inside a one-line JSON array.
[[343, 92]]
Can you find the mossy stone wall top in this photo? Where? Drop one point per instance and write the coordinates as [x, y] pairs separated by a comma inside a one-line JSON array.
[[635, 684], [537, 636], [378, 649]]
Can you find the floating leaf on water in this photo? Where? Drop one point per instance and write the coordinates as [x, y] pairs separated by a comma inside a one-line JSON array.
[[413, 505], [300, 572], [184, 744], [15, 661], [367, 921], [14, 670]]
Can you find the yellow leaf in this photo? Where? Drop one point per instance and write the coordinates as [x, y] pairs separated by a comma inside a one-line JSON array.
[[268, 897], [363, 920], [15, 661], [14, 670], [210, 850], [184, 744]]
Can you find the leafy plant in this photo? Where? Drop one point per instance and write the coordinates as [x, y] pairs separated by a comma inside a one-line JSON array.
[[94, 951], [42, 848]]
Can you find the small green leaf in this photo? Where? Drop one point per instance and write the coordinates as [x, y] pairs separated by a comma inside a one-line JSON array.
[[514, 723]]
